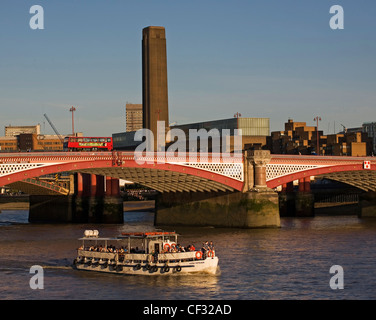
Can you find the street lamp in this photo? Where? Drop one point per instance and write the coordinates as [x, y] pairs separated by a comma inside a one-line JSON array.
[[237, 115], [73, 109], [317, 119]]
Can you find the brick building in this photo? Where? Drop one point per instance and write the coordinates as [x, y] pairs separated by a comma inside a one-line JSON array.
[[8, 144], [298, 138], [28, 138], [355, 144]]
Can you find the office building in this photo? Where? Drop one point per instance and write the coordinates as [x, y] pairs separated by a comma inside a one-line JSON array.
[[298, 138], [133, 117], [28, 138], [8, 144], [254, 132], [12, 131], [370, 129]]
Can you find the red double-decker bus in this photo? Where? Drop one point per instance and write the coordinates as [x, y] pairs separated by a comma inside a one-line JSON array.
[[88, 144]]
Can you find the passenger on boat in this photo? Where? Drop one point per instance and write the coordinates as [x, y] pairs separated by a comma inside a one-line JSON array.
[[191, 247], [204, 250], [123, 250], [211, 246]]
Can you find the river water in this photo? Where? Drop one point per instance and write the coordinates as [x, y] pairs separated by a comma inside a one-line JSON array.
[[291, 262]]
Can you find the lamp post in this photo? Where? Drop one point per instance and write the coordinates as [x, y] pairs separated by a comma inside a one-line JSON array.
[[73, 109], [317, 119], [237, 115]]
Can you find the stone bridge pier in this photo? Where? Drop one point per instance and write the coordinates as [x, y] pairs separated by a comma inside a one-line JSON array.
[[263, 202], [256, 206], [92, 199]]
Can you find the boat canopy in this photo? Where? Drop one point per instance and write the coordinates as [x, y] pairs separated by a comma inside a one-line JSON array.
[[143, 235], [100, 239], [132, 235]]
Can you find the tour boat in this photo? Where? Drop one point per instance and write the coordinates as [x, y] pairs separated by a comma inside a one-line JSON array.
[[142, 253]]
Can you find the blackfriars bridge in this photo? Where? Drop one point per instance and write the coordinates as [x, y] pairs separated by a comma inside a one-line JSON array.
[[230, 191]]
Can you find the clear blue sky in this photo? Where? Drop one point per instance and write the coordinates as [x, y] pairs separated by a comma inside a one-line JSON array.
[[263, 58]]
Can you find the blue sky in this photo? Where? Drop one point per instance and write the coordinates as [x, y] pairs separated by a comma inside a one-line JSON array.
[[264, 58]]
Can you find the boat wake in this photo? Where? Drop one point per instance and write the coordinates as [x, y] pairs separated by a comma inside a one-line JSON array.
[[58, 267]]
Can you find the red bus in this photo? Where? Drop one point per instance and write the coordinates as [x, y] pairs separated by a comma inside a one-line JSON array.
[[88, 144]]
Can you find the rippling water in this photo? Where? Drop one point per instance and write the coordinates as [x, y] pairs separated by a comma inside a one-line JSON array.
[[292, 262]]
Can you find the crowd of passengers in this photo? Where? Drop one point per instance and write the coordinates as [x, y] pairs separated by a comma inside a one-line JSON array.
[[205, 249], [110, 249]]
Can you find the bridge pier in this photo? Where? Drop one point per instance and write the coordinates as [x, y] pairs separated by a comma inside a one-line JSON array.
[[367, 205], [218, 209], [299, 203], [304, 204], [255, 207], [287, 200], [265, 208], [88, 204]]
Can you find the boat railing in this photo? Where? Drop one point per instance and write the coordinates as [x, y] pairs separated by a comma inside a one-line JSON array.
[[138, 256], [96, 254]]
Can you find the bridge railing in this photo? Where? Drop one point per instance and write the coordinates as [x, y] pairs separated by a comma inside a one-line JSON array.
[[318, 158], [188, 158], [154, 157]]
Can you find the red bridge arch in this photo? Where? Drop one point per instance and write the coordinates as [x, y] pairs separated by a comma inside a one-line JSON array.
[[321, 166], [115, 165]]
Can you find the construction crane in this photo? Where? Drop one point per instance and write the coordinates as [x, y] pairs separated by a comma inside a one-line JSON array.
[[344, 128], [53, 127]]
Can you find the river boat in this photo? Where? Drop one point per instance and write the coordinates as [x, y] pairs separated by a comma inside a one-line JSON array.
[[142, 253]]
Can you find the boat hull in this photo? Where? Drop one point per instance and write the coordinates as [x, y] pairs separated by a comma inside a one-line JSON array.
[[208, 265]]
